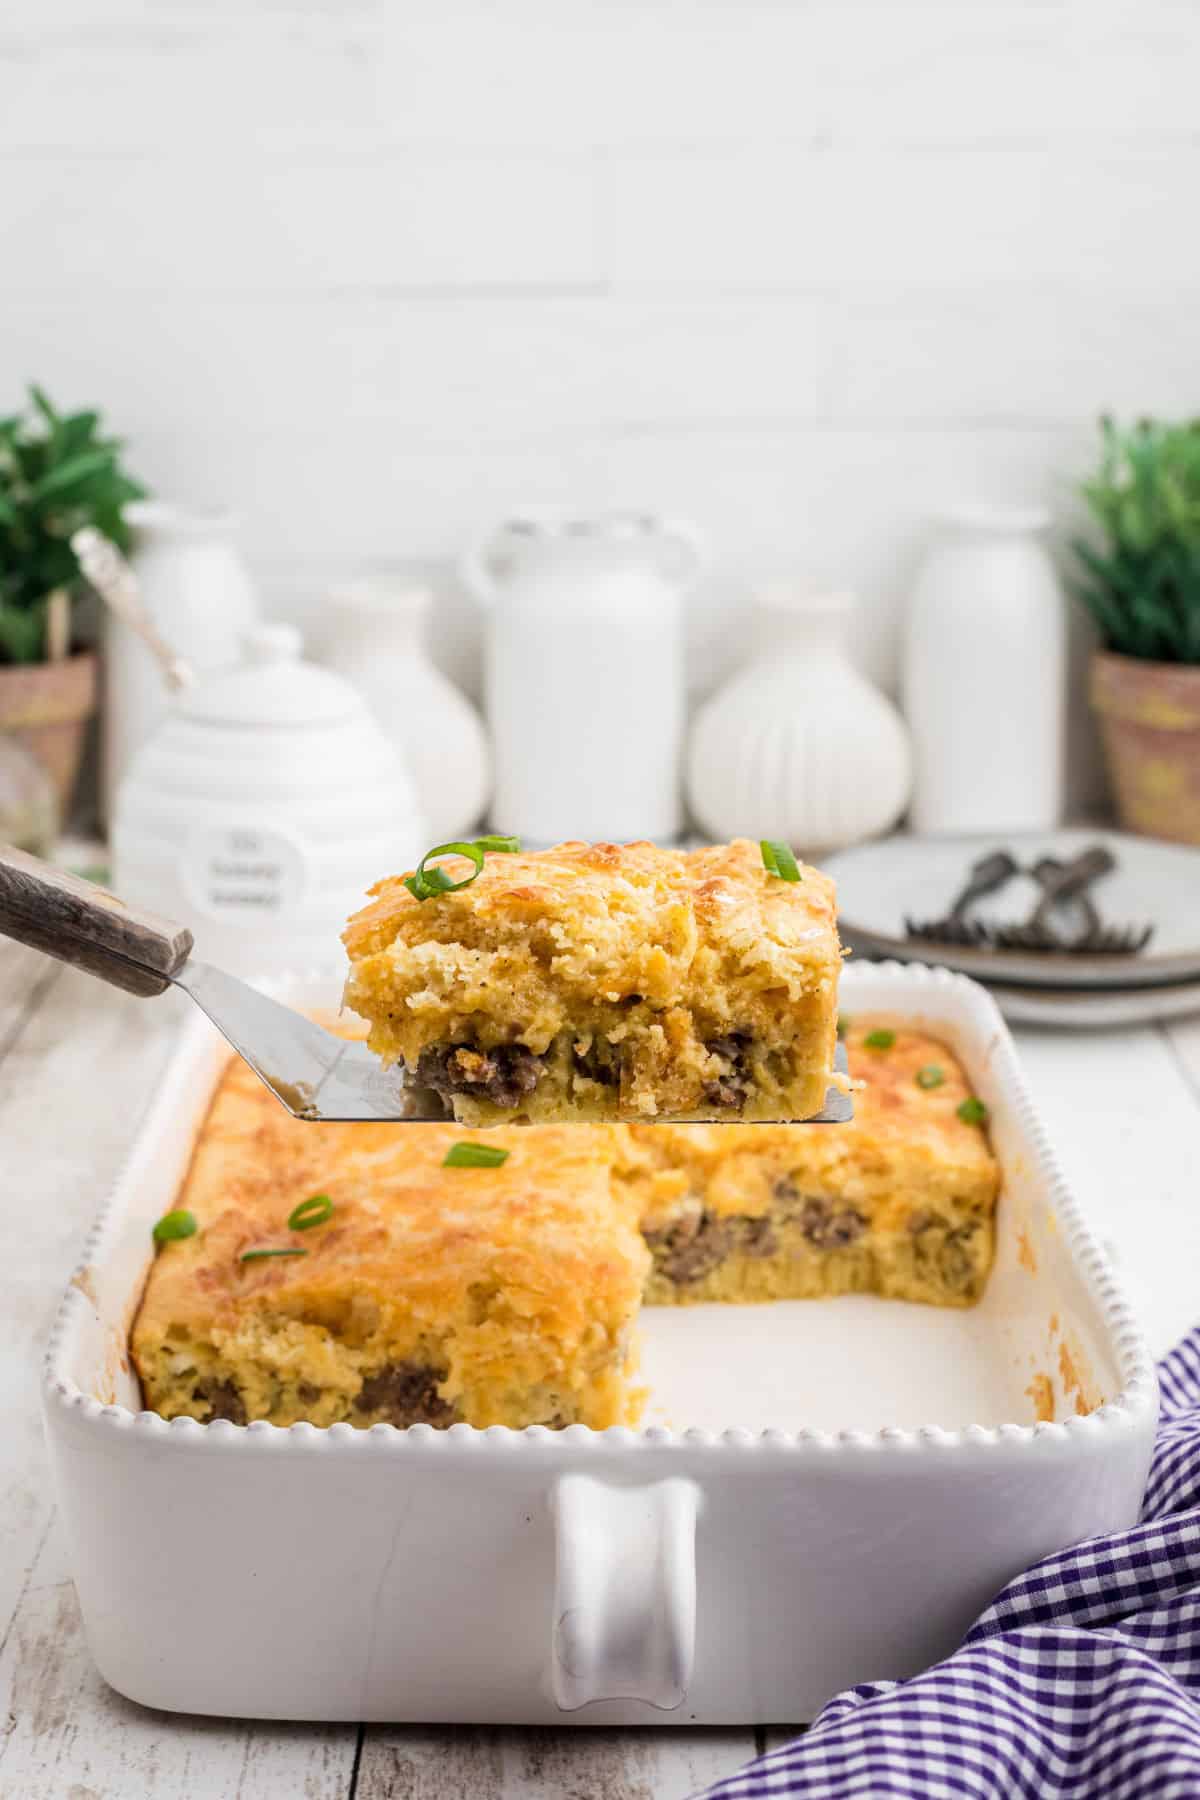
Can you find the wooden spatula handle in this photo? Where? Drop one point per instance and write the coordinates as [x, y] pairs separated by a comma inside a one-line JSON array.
[[80, 923]]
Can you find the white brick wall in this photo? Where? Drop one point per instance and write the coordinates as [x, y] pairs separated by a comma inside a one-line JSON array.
[[378, 270]]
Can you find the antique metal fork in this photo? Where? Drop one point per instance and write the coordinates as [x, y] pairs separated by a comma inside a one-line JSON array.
[[1064, 887]]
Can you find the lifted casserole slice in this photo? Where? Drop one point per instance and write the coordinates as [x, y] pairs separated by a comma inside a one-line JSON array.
[[900, 1202], [606, 982], [424, 1294]]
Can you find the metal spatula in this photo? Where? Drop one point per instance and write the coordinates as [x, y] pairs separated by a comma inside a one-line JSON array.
[[314, 1073]]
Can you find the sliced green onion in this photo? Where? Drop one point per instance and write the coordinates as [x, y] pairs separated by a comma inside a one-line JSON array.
[[778, 860], [310, 1212], [424, 883], [930, 1076], [474, 1156], [177, 1224], [258, 1255], [879, 1040], [972, 1111], [843, 1025]]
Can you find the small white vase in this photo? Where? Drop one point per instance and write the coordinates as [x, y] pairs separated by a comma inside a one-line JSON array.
[[984, 676], [378, 643], [799, 746], [196, 590]]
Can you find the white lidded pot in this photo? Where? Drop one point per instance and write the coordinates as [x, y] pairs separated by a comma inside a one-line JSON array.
[[584, 673], [984, 675], [798, 745], [378, 643], [262, 808]]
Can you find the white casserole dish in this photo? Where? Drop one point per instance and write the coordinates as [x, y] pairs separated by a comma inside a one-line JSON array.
[[840, 1489]]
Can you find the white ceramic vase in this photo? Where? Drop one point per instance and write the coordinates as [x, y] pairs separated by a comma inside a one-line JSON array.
[[984, 676], [799, 746], [262, 808], [378, 642], [196, 590], [584, 674]]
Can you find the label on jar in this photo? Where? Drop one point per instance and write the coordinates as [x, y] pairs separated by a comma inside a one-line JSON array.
[[245, 870]]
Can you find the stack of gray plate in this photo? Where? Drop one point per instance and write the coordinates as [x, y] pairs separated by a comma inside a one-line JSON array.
[[882, 884]]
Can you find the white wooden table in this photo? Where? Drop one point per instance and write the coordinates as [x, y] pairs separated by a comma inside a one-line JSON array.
[[77, 1062]]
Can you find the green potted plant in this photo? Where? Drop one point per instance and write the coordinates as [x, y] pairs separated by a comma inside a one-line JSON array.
[[1141, 585], [57, 473]]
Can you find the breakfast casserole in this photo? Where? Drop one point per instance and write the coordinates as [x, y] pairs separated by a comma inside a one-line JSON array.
[[605, 982], [502, 1292], [900, 1201], [345, 1272]]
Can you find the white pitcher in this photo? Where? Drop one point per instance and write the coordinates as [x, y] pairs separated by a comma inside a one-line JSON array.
[[197, 592], [584, 675]]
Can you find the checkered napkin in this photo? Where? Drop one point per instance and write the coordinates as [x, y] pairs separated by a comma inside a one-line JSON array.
[[1081, 1679]]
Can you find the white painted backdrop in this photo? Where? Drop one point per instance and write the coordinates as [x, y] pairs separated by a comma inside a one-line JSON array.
[[377, 270]]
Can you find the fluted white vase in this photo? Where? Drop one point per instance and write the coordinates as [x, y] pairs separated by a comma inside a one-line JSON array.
[[799, 746], [378, 643]]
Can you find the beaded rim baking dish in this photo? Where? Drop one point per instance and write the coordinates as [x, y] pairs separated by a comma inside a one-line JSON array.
[[638, 1575]]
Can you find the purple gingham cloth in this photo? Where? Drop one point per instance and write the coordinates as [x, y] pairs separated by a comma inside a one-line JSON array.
[[1082, 1679]]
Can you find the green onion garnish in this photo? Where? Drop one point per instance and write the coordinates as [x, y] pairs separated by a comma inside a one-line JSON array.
[[177, 1224], [879, 1040], [929, 1077], [313, 1211], [474, 1156], [424, 883], [258, 1255], [972, 1111], [843, 1025], [778, 860]]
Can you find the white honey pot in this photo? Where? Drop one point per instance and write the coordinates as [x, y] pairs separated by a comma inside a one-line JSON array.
[[584, 673], [262, 808]]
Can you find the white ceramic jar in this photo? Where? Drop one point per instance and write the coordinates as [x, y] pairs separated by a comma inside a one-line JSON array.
[[984, 676], [378, 642], [196, 590], [799, 746], [584, 675], [262, 808]]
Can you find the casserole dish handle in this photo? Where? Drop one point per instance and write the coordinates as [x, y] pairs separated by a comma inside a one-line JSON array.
[[625, 1591]]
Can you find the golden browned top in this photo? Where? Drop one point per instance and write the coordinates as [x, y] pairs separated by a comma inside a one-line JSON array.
[[541, 936], [536, 1239], [906, 1140]]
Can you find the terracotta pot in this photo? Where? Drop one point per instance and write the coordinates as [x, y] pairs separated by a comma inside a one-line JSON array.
[[46, 707], [1150, 725]]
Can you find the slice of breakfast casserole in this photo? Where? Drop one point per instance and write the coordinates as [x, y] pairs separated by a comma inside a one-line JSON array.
[[605, 982], [899, 1202], [390, 1273]]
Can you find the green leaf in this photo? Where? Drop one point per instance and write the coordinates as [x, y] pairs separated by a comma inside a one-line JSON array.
[[77, 431], [73, 473], [38, 396], [23, 633]]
